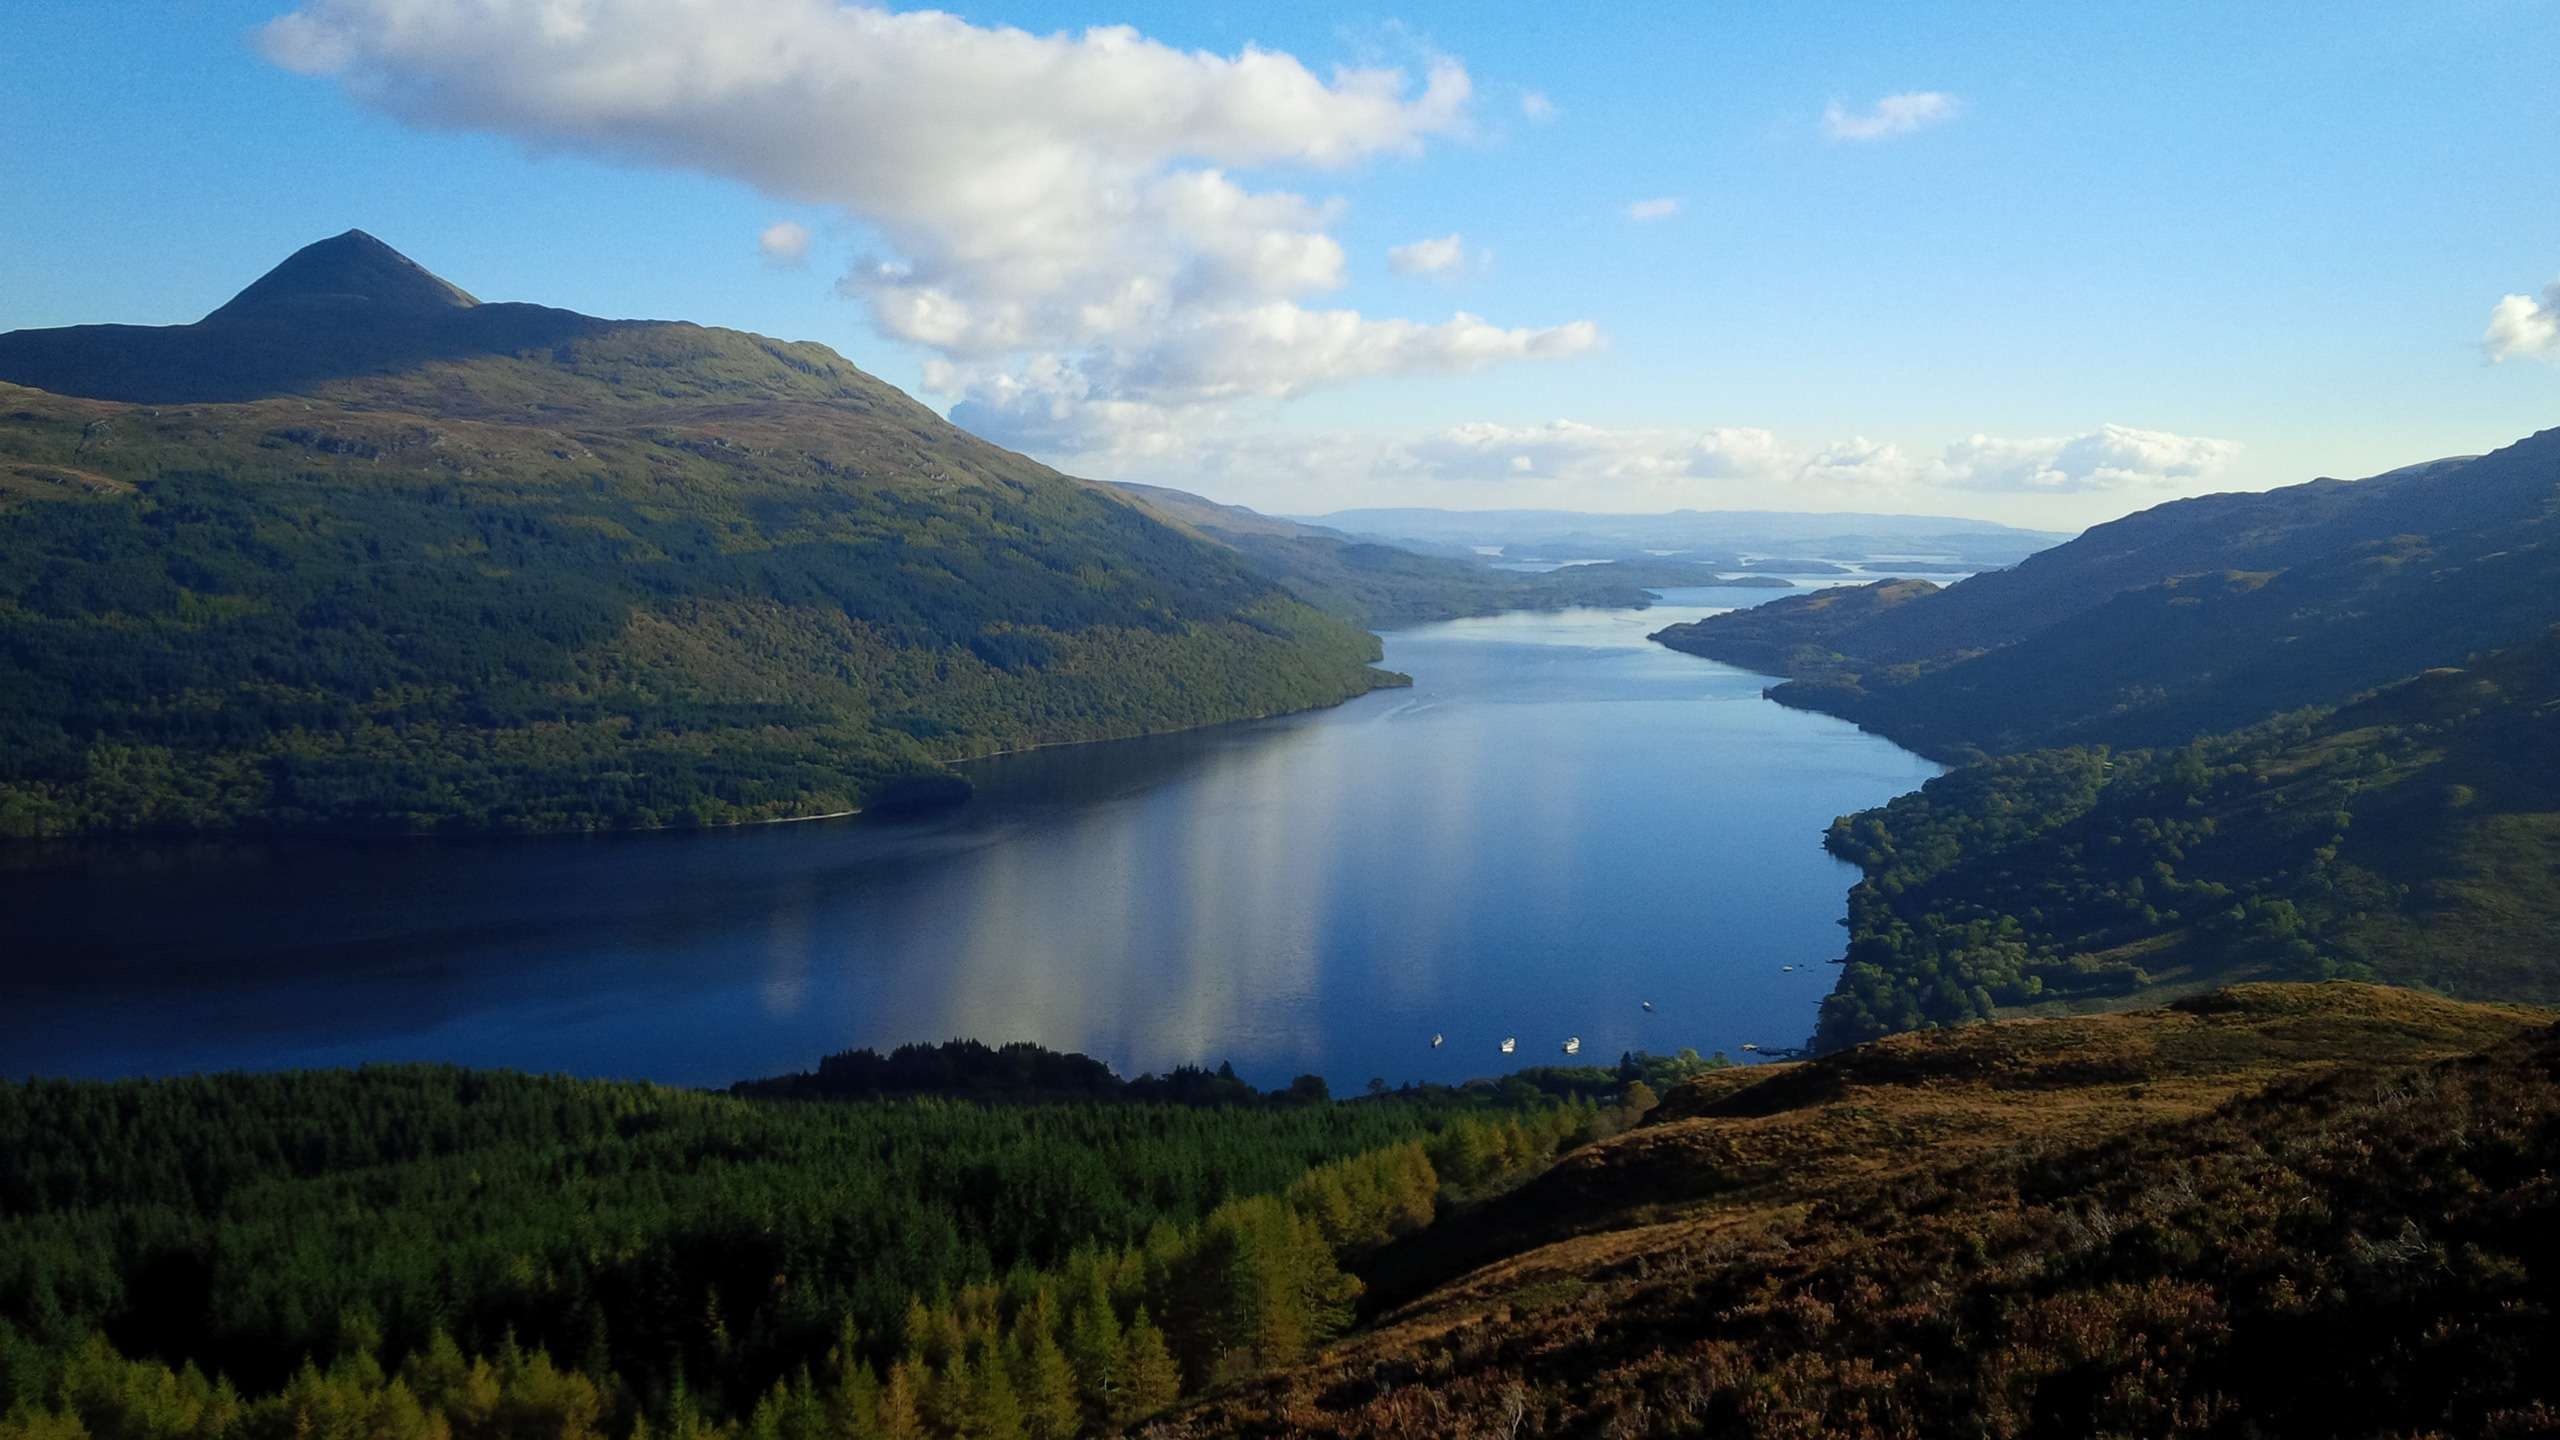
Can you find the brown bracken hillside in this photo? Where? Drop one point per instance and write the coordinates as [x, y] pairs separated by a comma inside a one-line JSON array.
[[2271, 1210]]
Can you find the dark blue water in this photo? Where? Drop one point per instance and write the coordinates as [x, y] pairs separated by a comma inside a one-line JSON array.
[[1557, 822]]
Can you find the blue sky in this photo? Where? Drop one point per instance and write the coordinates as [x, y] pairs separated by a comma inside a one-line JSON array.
[[2262, 246]]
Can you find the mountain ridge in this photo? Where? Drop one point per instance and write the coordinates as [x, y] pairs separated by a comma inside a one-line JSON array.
[[429, 565], [2193, 617]]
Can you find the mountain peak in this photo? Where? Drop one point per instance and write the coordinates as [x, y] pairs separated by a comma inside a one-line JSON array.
[[352, 272]]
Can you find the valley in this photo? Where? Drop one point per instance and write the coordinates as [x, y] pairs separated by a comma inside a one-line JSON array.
[[1164, 722], [1555, 823]]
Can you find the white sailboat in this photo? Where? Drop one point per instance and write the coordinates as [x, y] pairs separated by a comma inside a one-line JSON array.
[[1435, 1040]]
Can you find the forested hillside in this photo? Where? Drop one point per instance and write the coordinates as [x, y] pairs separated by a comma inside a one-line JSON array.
[[2412, 837], [357, 552], [2140, 1224], [413, 1252], [1797, 633], [2194, 617]]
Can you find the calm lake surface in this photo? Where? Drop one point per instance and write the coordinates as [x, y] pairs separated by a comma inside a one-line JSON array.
[[1558, 821]]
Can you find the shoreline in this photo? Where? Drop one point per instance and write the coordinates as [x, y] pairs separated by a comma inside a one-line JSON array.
[[31, 845], [1405, 682]]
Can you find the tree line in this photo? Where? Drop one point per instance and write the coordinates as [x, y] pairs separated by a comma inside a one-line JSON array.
[[415, 1250]]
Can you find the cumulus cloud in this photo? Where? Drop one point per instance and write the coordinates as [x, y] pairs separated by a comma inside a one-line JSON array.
[[1860, 466], [1891, 116], [2109, 458], [1173, 392], [1537, 106], [1661, 207], [2112, 457], [1078, 200], [1267, 352], [1573, 464], [1428, 257], [785, 242], [1588, 454], [2521, 328]]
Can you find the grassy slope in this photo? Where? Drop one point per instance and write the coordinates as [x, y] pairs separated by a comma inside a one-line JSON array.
[[2308, 1209], [643, 574]]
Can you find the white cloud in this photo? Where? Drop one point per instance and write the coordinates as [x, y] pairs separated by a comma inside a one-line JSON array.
[[1070, 202], [785, 242], [1574, 465], [1592, 455], [1176, 391], [1661, 207], [1860, 466], [1891, 116], [2111, 457], [1279, 349], [2521, 328], [1536, 105], [1428, 257]]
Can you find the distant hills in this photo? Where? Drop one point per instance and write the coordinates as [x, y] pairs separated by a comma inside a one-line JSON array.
[[1719, 537], [2189, 618], [1797, 633], [1383, 584], [357, 551]]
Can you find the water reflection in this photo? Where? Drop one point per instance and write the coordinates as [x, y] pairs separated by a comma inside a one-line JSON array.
[[1557, 821]]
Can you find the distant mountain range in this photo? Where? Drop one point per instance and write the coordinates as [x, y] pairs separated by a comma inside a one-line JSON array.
[[1382, 584], [357, 551], [1710, 536]]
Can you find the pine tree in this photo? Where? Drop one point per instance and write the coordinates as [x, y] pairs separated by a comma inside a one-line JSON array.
[[951, 1405], [902, 1402], [922, 1333], [1098, 1354], [1048, 1386], [853, 1402], [856, 1411], [1416, 1188], [765, 1422], [1151, 1382], [994, 1409]]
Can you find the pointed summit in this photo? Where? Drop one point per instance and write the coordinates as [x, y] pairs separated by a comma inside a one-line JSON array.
[[350, 273]]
